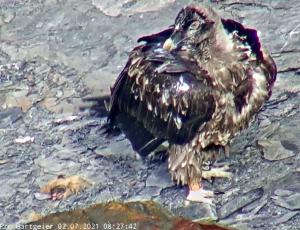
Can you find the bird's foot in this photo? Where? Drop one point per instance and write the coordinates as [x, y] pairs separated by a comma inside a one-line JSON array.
[[201, 195], [198, 194], [217, 172]]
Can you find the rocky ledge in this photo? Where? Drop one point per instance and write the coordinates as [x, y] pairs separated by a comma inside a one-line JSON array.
[[57, 61]]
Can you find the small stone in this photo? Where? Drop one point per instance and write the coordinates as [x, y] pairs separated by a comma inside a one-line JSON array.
[[24, 140], [59, 93], [104, 152], [39, 25], [66, 119], [9, 16], [41, 196], [2, 162]]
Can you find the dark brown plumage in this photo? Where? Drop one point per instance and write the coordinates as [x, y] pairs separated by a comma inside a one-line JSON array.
[[196, 85]]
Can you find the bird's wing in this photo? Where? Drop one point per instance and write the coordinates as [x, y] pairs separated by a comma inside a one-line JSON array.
[[161, 91], [158, 37]]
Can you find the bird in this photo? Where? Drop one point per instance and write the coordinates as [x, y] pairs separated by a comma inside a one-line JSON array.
[[195, 85]]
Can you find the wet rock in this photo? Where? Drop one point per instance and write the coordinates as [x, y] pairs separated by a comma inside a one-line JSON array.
[[275, 150], [239, 202]]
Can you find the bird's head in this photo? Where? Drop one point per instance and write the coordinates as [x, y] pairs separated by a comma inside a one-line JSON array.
[[193, 25]]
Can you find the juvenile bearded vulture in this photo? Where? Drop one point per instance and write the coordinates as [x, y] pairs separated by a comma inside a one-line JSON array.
[[196, 84]]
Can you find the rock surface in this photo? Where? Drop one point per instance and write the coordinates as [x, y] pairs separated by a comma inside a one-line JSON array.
[[132, 215], [54, 55]]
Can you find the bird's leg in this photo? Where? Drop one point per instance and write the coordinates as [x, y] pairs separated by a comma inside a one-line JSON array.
[[198, 194], [221, 172], [186, 167], [209, 169]]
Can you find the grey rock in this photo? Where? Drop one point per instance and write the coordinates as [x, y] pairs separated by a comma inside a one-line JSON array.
[[256, 206], [265, 123], [8, 16], [239, 202], [54, 165], [261, 221], [269, 130], [53, 53], [119, 149], [291, 202], [160, 177], [129, 7], [106, 195], [197, 211], [282, 192], [274, 150], [149, 192], [286, 217], [10, 116], [104, 152]]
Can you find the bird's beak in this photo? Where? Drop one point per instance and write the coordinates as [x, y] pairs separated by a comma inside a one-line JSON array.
[[173, 41], [169, 45]]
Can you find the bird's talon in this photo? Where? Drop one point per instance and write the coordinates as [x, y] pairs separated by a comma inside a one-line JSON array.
[[201, 195]]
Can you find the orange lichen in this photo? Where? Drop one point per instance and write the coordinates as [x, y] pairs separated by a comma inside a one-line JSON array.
[[66, 185]]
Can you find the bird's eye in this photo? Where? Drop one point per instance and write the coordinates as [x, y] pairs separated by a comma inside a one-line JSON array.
[[194, 25]]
